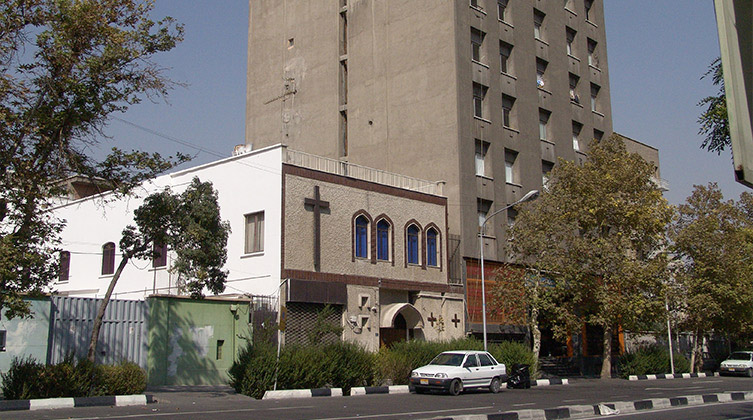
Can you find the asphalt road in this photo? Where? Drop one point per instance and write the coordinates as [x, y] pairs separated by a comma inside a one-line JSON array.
[[217, 403]]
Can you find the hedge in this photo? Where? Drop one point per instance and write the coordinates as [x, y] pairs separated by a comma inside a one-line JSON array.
[[346, 365], [29, 379], [650, 360]]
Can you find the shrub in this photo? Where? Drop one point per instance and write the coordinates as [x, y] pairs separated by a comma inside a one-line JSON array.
[[650, 360], [28, 379], [511, 353], [22, 379], [127, 378]]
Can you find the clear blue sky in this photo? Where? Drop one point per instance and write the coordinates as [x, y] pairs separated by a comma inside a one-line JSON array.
[[657, 52]]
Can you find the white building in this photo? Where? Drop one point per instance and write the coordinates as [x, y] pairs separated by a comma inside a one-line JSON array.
[[368, 243]]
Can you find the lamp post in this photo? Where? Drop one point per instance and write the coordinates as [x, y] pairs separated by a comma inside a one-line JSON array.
[[530, 195]]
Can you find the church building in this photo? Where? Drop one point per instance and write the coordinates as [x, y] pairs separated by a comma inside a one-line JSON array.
[[364, 247]]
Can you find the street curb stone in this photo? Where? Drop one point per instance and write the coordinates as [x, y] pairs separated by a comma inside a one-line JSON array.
[[52, 403], [302, 393], [671, 376], [368, 390], [582, 411]]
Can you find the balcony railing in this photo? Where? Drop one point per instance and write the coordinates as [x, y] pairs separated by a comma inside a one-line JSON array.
[[364, 173]]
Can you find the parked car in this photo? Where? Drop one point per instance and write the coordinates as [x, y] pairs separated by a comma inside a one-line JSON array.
[[738, 363], [454, 371]]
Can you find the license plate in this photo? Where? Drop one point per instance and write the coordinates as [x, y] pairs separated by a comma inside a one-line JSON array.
[[424, 382]]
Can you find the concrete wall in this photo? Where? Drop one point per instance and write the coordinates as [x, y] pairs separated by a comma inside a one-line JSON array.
[[26, 337], [247, 183], [410, 92], [194, 342]]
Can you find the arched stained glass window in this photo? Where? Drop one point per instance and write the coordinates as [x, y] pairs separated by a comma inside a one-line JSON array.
[[383, 240], [412, 244], [362, 237], [431, 248]]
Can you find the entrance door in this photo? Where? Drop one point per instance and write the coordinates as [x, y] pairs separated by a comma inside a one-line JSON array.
[[388, 336]]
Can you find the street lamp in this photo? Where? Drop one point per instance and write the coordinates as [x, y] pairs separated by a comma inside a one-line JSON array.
[[530, 195]]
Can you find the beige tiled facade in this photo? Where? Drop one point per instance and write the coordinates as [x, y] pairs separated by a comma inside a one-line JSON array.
[[419, 87]]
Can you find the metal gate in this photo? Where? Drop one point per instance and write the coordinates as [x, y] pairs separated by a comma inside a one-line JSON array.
[[123, 335]]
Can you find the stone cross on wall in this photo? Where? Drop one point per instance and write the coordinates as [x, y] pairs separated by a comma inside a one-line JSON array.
[[318, 205]]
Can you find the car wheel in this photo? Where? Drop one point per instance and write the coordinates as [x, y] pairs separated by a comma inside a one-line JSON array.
[[495, 385], [456, 387], [750, 372]]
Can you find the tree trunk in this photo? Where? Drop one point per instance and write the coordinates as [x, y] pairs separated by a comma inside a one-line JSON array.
[[535, 332], [606, 363], [694, 359], [91, 355]]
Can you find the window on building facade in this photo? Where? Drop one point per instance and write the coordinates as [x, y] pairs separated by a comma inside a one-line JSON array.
[[593, 58], [254, 233], [477, 40], [598, 134], [569, 5], [574, 88], [108, 258], [595, 97], [476, 4], [577, 127], [570, 36], [362, 237], [502, 11], [432, 247], [479, 93], [512, 214], [64, 267], [159, 258], [411, 242], [510, 167], [482, 148], [507, 104], [538, 23], [505, 51], [541, 66], [546, 168], [543, 123], [483, 208], [589, 4], [383, 240]]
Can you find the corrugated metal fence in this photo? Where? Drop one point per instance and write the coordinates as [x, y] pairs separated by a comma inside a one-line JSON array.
[[123, 335]]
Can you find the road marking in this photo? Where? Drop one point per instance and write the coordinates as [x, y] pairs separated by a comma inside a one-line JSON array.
[[183, 413], [402, 415], [575, 400], [523, 404], [673, 388]]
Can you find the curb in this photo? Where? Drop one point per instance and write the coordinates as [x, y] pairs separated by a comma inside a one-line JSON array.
[[50, 403], [302, 393], [619, 407], [367, 390], [548, 382], [671, 376]]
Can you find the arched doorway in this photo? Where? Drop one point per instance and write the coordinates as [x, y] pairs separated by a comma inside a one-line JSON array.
[[399, 320]]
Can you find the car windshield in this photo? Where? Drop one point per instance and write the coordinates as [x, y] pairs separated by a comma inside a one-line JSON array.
[[448, 359], [739, 356]]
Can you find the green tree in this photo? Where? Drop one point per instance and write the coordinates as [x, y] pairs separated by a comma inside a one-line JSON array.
[[714, 122], [521, 296], [65, 67], [189, 225], [713, 244], [596, 232]]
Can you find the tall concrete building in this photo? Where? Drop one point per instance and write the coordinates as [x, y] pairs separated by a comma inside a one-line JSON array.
[[483, 94]]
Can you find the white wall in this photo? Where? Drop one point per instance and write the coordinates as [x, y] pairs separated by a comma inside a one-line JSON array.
[[247, 183]]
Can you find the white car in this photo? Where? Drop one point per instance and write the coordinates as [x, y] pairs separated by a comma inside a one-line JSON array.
[[739, 362], [454, 371]]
